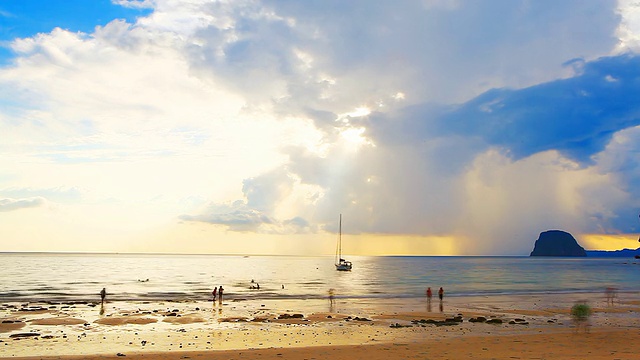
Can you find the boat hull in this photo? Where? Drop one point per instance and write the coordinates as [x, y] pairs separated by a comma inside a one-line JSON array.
[[345, 266]]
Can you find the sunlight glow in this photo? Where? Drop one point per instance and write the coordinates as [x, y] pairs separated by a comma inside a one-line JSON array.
[[609, 242], [400, 245], [354, 137], [358, 112]]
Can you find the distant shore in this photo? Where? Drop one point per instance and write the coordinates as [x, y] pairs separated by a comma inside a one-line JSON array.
[[531, 326]]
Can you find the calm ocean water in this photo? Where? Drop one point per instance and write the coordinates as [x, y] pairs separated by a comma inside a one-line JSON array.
[[80, 277]]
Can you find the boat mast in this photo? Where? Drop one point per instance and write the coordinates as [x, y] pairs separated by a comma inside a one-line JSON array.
[[340, 237], [339, 244]]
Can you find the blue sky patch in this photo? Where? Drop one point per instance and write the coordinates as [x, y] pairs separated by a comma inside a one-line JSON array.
[[25, 18]]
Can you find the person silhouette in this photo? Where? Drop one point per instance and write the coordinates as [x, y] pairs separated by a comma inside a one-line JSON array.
[[332, 302], [103, 295]]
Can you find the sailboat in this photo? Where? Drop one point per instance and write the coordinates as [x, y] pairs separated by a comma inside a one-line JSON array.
[[341, 264]]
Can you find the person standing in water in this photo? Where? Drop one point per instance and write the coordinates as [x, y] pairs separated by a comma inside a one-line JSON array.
[[220, 291], [214, 293], [103, 295], [441, 294]]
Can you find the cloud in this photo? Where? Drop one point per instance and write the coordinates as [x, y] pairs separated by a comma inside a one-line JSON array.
[[95, 113], [237, 216], [6, 14], [9, 204], [576, 116], [331, 55], [258, 212], [255, 213], [496, 170], [58, 195], [240, 217], [135, 4], [621, 163]]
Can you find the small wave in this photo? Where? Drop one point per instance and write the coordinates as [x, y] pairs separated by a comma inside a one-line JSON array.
[[167, 294], [45, 289], [314, 283]]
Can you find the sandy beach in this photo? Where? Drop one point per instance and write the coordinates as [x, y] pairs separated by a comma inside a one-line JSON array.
[[524, 327]]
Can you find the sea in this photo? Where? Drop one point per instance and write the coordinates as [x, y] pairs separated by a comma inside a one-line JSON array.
[[28, 277]]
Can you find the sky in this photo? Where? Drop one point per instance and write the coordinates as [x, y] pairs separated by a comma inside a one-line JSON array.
[[435, 127]]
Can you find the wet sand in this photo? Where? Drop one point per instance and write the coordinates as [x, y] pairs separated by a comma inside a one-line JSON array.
[[527, 327]]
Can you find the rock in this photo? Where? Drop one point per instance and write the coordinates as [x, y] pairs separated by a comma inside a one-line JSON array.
[[494, 321], [34, 308], [290, 316], [361, 319], [397, 326], [478, 319], [22, 335], [447, 322], [557, 243], [518, 323]]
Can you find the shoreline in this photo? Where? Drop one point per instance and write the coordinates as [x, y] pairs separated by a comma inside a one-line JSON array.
[[165, 328]]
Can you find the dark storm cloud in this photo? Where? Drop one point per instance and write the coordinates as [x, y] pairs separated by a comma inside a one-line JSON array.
[[576, 116]]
